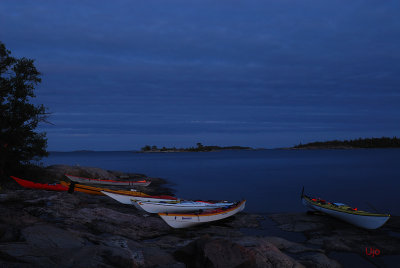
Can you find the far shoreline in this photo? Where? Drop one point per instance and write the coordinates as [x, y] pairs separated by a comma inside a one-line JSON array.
[[260, 149], [360, 143]]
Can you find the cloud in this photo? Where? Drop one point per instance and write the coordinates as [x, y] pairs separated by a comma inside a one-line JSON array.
[[211, 66]]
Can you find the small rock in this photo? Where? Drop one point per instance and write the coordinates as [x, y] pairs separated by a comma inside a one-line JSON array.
[[289, 246], [319, 260], [244, 252], [48, 236], [266, 254], [207, 252]]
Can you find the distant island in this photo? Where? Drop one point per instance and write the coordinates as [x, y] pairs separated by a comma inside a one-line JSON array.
[[200, 148], [383, 142]]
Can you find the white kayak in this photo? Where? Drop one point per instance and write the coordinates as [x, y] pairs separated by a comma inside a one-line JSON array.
[[108, 182], [184, 220], [363, 219], [178, 206], [126, 197]]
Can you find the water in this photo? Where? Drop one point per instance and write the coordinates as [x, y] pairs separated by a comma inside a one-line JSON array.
[[271, 180]]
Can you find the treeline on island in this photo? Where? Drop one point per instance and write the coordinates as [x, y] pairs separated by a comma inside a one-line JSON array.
[[200, 148], [383, 142]]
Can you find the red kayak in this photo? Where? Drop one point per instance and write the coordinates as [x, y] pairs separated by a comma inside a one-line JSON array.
[[43, 186]]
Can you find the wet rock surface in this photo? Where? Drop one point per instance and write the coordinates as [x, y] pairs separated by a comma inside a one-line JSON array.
[[41, 228]]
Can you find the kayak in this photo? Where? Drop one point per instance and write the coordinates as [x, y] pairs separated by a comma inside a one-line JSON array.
[[127, 197], [98, 190], [43, 186], [178, 206], [83, 188], [184, 220], [130, 198], [360, 218], [108, 182]]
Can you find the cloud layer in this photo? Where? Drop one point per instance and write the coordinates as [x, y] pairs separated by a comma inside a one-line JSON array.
[[258, 73]]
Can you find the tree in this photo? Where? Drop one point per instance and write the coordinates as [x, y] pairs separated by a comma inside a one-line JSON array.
[[19, 143], [146, 148]]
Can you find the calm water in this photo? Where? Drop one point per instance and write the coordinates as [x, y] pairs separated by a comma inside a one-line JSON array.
[[271, 180]]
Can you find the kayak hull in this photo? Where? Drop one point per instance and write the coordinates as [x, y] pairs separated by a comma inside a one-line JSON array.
[[185, 220], [128, 198], [123, 196], [84, 188], [361, 219], [178, 206], [42, 186]]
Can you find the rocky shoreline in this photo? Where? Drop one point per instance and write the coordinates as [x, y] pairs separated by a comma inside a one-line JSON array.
[[55, 229]]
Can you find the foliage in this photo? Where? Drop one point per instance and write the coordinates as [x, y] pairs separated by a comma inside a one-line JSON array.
[[383, 142], [200, 148], [19, 143], [146, 148]]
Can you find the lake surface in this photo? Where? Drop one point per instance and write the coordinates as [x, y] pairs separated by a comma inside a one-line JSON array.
[[271, 180]]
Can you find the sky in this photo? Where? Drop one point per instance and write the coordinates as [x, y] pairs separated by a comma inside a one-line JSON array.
[[118, 75]]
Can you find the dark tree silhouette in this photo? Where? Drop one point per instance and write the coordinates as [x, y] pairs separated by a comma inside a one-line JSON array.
[[146, 148], [384, 142], [19, 143], [200, 148]]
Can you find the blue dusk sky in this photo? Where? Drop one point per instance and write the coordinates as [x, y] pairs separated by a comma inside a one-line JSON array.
[[117, 75]]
